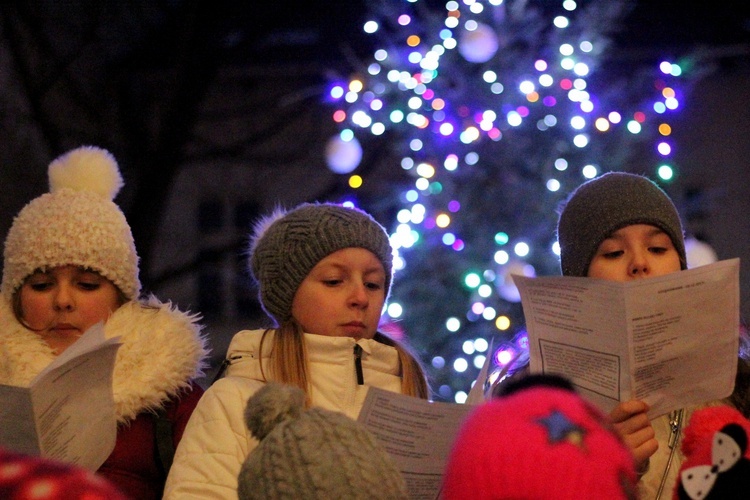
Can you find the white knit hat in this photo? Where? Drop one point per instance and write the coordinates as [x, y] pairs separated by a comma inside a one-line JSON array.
[[76, 223]]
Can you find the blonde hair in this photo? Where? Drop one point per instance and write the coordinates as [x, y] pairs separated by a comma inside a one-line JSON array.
[[289, 361]]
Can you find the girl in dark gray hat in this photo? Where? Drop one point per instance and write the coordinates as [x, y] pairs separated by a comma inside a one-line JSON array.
[[623, 227], [323, 273]]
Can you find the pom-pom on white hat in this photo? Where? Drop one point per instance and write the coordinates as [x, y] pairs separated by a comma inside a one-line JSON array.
[[76, 223]]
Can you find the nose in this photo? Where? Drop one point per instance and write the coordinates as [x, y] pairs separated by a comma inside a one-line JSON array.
[[358, 296], [639, 265], [63, 299]]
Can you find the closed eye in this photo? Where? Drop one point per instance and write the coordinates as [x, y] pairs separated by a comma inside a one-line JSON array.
[[41, 286], [658, 250], [613, 255], [88, 286], [374, 286]]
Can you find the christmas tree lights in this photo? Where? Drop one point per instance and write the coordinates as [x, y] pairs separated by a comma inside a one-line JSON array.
[[494, 111]]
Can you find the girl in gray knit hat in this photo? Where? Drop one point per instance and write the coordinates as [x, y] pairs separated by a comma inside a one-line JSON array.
[[623, 227], [323, 273]]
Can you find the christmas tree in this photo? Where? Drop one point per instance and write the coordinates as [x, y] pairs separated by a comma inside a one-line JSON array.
[[494, 110]]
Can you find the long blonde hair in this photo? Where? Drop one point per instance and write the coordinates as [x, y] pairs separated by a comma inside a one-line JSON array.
[[289, 361]]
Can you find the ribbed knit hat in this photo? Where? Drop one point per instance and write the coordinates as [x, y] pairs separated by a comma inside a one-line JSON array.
[[539, 442], [601, 206], [312, 454], [76, 223], [287, 245]]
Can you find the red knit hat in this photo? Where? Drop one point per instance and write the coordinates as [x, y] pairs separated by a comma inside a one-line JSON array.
[[717, 458], [539, 443]]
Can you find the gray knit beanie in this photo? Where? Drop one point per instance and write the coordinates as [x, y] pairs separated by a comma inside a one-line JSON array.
[[286, 246], [601, 206], [312, 454]]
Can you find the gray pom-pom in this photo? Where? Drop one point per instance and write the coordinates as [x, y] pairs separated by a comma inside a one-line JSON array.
[[272, 404]]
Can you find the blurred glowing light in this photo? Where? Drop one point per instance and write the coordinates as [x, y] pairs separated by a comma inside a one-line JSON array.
[[589, 171], [581, 140], [371, 27], [443, 221], [453, 324], [665, 172], [501, 257], [522, 249], [395, 310], [355, 181], [634, 127], [502, 323], [663, 148], [481, 345], [478, 45], [561, 22], [472, 280], [468, 347], [460, 365]]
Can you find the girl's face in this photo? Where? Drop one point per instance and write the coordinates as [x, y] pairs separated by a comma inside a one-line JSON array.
[[342, 296], [633, 252], [62, 303]]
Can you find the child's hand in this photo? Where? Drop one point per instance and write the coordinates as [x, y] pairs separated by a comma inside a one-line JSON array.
[[631, 422]]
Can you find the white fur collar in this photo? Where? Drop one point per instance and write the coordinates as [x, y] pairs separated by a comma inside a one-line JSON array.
[[162, 351]]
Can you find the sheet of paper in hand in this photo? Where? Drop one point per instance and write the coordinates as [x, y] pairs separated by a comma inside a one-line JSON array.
[[671, 340], [67, 412]]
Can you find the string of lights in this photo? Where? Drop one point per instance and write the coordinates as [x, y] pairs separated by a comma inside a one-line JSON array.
[[495, 111]]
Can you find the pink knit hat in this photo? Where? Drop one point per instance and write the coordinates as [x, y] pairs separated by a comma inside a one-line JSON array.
[[540, 442]]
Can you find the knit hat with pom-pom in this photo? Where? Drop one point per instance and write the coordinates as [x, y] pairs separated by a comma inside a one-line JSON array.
[[76, 223], [539, 439], [312, 454]]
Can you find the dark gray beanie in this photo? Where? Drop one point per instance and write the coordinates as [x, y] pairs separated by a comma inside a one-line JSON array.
[[286, 246], [312, 454], [601, 206]]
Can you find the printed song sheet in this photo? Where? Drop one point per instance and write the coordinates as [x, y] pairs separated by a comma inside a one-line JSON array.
[[417, 433], [67, 412], [670, 341]]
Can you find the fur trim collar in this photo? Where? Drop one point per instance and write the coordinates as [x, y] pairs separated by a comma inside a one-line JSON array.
[[162, 351]]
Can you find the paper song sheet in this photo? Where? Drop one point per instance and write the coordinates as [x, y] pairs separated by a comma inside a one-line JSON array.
[[67, 412], [670, 341], [418, 434]]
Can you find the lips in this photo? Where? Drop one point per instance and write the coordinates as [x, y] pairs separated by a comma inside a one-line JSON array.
[[355, 324], [64, 327]]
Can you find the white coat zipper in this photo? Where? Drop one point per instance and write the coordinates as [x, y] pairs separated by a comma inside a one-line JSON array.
[[358, 364], [675, 426]]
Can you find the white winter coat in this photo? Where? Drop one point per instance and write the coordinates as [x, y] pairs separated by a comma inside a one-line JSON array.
[[217, 441]]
